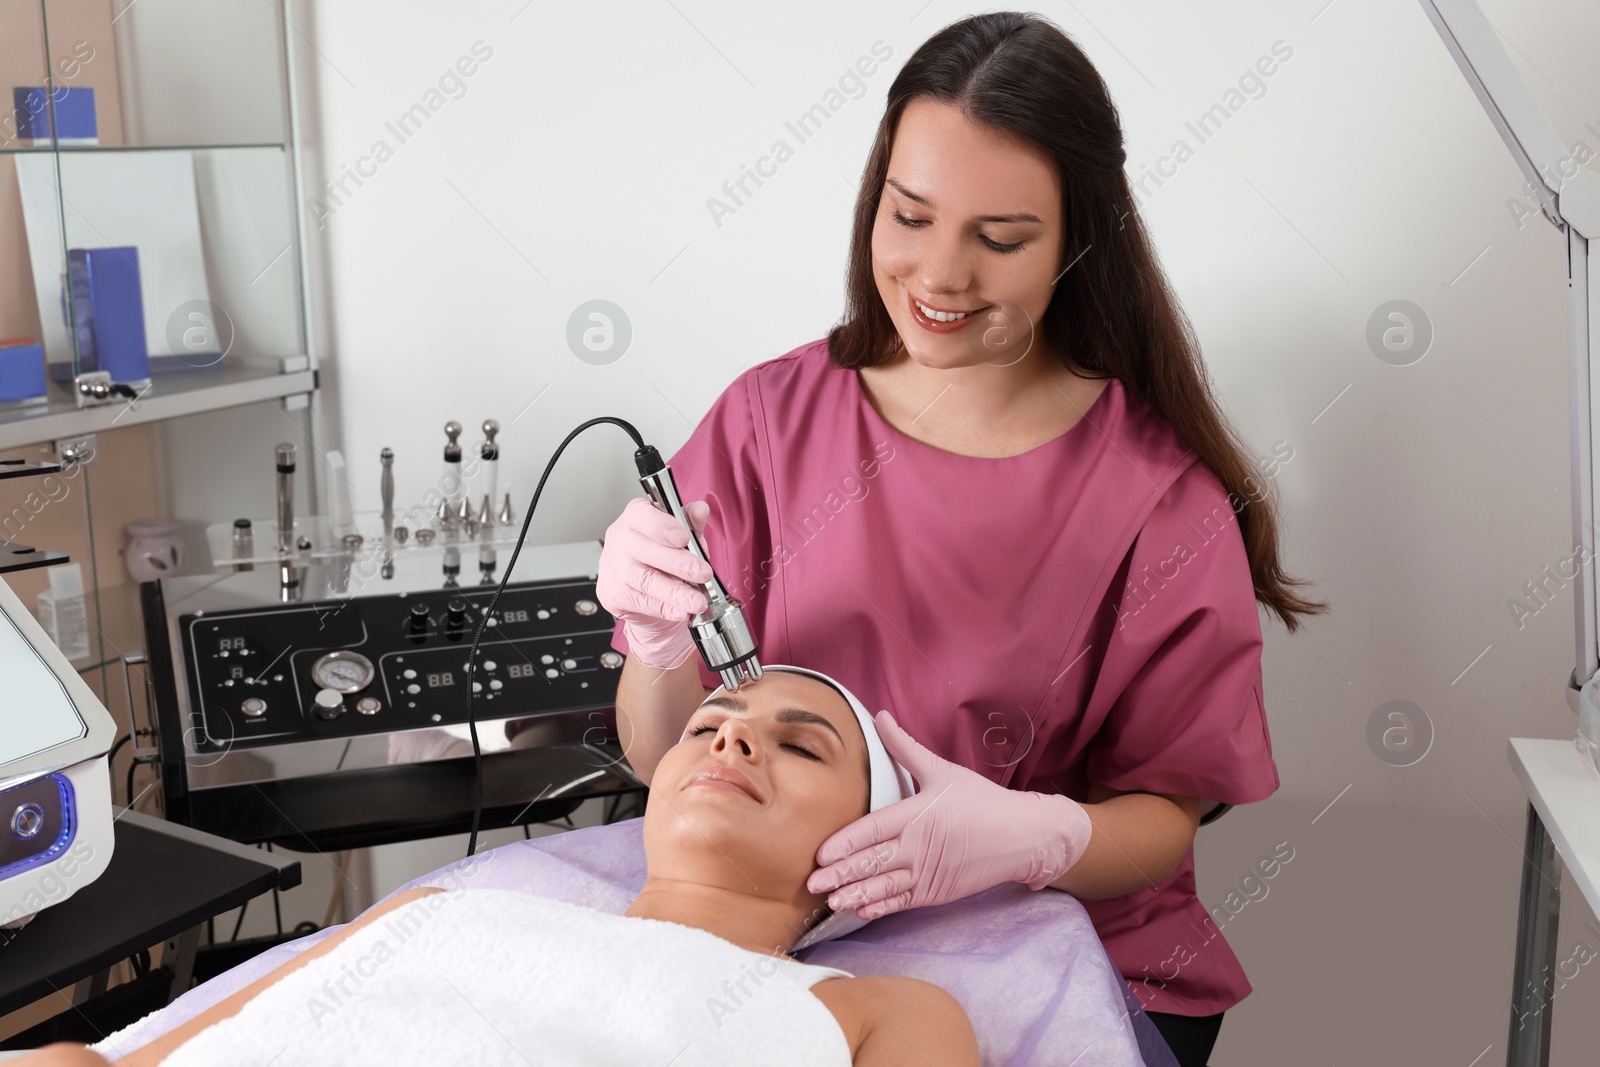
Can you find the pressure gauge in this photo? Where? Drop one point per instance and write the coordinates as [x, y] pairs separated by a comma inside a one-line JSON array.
[[343, 672]]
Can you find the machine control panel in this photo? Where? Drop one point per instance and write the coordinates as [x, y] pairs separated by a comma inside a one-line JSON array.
[[299, 671]]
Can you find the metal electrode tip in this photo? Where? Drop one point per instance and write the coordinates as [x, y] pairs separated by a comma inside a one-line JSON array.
[[740, 673]]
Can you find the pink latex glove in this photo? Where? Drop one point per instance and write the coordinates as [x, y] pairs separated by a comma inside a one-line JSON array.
[[959, 835], [645, 568]]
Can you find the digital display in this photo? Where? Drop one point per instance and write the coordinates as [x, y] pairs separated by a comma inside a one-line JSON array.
[[228, 644], [444, 678], [516, 616], [521, 670], [236, 672]]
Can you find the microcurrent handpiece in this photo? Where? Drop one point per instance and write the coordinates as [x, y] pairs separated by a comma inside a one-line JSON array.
[[720, 631]]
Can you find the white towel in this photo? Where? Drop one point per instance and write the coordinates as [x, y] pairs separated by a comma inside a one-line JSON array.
[[491, 976]]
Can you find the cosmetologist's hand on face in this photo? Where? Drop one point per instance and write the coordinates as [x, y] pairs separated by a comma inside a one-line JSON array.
[[960, 834]]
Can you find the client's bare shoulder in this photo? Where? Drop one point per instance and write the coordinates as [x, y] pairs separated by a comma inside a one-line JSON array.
[[889, 1020]]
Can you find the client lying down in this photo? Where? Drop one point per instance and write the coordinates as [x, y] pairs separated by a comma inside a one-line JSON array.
[[696, 971]]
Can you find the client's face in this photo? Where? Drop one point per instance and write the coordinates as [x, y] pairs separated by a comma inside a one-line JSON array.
[[762, 777]]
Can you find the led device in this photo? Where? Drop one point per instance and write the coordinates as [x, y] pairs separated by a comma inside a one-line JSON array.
[[55, 788]]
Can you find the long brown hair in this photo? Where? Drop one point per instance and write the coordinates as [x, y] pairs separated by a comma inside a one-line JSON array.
[[1113, 313]]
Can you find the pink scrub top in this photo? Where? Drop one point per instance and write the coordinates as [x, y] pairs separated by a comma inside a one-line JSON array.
[[1082, 612]]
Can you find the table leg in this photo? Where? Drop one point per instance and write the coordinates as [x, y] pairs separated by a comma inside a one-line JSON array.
[[1538, 913], [179, 955], [86, 989]]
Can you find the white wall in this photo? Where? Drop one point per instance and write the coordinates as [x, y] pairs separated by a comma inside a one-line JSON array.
[[578, 163]]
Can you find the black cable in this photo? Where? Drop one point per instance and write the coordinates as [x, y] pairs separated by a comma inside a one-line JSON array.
[[277, 911], [112, 758], [483, 624], [527, 834], [111, 763], [242, 908]]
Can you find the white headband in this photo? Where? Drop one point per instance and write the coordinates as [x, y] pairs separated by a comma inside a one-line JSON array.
[[887, 782]]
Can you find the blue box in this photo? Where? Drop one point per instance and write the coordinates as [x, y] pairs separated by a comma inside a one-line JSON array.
[[21, 373], [74, 113], [108, 312]]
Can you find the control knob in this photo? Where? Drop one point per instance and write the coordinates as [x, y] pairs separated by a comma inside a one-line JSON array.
[[329, 703]]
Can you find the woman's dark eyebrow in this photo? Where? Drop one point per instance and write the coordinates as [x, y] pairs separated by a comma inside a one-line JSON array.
[[790, 714], [1020, 216]]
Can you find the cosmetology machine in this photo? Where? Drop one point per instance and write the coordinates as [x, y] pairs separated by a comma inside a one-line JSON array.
[[55, 792], [1568, 194], [326, 687]]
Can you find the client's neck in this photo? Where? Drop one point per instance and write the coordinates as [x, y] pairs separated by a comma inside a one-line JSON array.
[[757, 923]]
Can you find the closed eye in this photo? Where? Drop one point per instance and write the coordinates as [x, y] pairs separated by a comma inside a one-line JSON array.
[[698, 730]]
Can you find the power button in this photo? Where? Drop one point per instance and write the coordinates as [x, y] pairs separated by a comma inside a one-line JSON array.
[[27, 821]]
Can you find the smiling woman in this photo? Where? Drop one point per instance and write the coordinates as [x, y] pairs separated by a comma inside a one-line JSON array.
[[737, 760], [696, 971], [1009, 330]]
